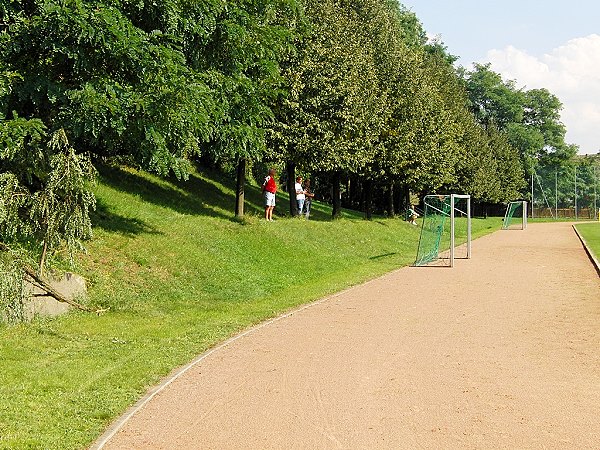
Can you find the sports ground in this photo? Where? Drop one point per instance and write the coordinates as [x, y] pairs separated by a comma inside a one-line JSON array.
[[501, 351]]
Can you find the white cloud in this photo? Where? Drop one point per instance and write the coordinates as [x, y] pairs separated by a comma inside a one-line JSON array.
[[572, 73]]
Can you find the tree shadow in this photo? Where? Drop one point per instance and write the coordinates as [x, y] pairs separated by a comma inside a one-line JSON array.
[[194, 196], [320, 212], [254, 204], [107, 220], [385, 255], [210, 194]]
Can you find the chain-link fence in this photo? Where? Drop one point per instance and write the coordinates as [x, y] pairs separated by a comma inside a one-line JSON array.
[[570, 192]]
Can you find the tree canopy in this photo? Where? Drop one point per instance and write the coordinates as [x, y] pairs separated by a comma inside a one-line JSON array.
[[530, 118], [339, 88]]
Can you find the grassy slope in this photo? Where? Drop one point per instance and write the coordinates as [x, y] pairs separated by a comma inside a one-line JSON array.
[[591, 234], [179, 275]]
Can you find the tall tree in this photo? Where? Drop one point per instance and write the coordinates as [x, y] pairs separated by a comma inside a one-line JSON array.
[[244, 53], [158, 82], [530, 119], [328, 121]]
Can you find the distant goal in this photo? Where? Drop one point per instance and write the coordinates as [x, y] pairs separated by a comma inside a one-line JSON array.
[[515, 217], [445, 231]]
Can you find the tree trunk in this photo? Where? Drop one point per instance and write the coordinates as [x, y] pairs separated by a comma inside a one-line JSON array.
[[369, 199], [337, 199], [398, 199], [290, 168], [239, 189], [360, 204], [390, 199]]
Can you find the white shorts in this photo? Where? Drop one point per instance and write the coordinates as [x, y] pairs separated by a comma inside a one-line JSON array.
[[269, 198]]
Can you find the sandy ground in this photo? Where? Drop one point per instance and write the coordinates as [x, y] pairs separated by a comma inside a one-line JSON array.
[[502, 351]]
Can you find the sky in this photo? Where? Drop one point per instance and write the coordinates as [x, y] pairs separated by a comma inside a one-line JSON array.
[[550, 44]]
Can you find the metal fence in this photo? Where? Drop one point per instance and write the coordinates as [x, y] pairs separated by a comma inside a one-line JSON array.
[[566, 213]]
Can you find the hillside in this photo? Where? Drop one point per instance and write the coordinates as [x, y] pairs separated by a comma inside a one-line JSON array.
[[178, 275]]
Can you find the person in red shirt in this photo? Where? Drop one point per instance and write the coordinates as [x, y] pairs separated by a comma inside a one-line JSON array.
[[269, 188]]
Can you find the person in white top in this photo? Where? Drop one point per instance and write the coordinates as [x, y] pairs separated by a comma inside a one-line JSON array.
[[300, 196], [412, 215]]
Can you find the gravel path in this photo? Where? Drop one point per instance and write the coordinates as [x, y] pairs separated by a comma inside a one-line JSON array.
[[502, 351]]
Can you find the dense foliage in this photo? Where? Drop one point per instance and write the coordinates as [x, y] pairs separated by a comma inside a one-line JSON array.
[[345, 90], [350, 92], [369, 99], [155, 84], [153, 81]]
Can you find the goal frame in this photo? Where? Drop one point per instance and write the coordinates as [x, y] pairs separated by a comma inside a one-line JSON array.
[[452, 225], [505, 225], [452, 216]]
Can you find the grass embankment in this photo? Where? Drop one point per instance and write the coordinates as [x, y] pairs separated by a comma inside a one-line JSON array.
[[179, 275], [591, 234]]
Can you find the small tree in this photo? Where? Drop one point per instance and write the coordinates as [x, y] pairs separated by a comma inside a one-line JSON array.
[[45, 198], [44, 188], [60, 210]]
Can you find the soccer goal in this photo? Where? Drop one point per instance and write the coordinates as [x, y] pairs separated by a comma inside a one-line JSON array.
[[515, 217], [445, 231]]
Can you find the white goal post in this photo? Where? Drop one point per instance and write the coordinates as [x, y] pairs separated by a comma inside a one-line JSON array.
[[509, 215], [453, 210], [438, 241]]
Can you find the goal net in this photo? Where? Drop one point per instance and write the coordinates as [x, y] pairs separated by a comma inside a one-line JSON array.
[[445, 230], [515, 217]]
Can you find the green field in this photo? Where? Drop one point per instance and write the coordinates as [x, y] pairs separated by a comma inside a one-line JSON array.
[[591, 234], [178, 275]]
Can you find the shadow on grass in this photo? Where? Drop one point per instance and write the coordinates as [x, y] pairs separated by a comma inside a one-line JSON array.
[[385, 255], [208, 194], [320, 212], [195, 196], [108, 221]]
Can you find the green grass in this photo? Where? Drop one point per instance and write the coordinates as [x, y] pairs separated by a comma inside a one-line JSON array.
[[179, 276], [591, 234]]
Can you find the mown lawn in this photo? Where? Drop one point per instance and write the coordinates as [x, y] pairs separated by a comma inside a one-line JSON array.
[[178, 275], [591, 234]]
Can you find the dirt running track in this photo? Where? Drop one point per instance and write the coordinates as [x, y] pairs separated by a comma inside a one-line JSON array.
[[503, 351]]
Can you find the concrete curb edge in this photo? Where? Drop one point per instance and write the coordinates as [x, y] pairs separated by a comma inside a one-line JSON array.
[[176, 373], [594, 260]]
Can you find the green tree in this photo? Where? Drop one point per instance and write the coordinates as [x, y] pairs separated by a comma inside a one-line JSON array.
[[422, 138], [492, 99], [157, 83], [328, 120], [116, 88], [45, 188], [478, 173], [530, 119], [244, 54]]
